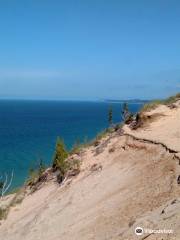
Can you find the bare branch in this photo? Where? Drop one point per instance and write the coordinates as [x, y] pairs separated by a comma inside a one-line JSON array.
[[10, 182], [6, 184]]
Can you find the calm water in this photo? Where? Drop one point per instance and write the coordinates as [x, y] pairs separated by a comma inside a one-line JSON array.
[[28, 129]]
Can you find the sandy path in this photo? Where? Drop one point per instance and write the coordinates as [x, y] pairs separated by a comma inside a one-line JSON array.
[[166, 129]]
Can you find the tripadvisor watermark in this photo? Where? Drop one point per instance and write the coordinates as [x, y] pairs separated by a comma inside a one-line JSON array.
[[140, 231]]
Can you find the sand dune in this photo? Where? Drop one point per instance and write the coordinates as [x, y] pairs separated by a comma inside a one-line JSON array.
[[124, 182]]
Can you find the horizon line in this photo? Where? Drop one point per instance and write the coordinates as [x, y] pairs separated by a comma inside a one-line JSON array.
[[75, 100]]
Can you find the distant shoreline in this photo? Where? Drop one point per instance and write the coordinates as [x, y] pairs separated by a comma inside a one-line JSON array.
[[133, 101]]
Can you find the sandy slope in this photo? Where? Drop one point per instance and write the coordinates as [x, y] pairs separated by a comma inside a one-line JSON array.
[[165, 129], [123, 183]]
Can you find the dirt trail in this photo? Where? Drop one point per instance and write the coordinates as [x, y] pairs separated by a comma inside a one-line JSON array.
[[164, 129]]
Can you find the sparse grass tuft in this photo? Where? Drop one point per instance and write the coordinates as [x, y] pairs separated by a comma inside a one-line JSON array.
[[172, 99], [76, 149], [16, 199], [100, 136], [33, 177], [19, 197], [3, 213], [118, 126], [154, 104], [36, 174]]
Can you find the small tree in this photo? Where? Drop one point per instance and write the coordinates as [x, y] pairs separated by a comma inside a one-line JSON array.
[[110, 115], [125, 108], [60, 156], [41, 167], [127, 116]]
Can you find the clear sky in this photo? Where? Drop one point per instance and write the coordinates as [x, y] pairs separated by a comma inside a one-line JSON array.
[[89, 49]]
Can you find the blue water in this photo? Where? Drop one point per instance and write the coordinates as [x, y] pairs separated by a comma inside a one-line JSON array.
[[28, 130]]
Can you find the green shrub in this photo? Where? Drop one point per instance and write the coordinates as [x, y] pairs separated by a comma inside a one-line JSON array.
[[60, 156]]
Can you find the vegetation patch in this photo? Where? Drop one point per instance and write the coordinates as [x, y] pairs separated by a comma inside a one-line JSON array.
[[151, 106], [3, 213], [154, 104], [76, 149], [36, 173], [78, 146], [10, 201], [64, 165], [126, 115], [100, 136]]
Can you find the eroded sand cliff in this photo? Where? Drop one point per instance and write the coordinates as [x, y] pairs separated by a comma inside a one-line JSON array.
[[126, 181]]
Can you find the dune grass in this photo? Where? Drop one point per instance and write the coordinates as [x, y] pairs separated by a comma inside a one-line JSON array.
[[155, 103]]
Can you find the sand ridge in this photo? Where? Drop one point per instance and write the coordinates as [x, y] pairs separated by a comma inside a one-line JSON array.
[[123, 183]]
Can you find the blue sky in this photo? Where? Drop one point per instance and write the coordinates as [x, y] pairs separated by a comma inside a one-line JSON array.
[[89, 49]]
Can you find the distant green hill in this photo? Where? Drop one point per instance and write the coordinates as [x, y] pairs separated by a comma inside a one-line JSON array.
[[140, 101]]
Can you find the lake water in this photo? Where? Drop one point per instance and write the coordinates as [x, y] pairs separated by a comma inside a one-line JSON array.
[[28, 129]]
